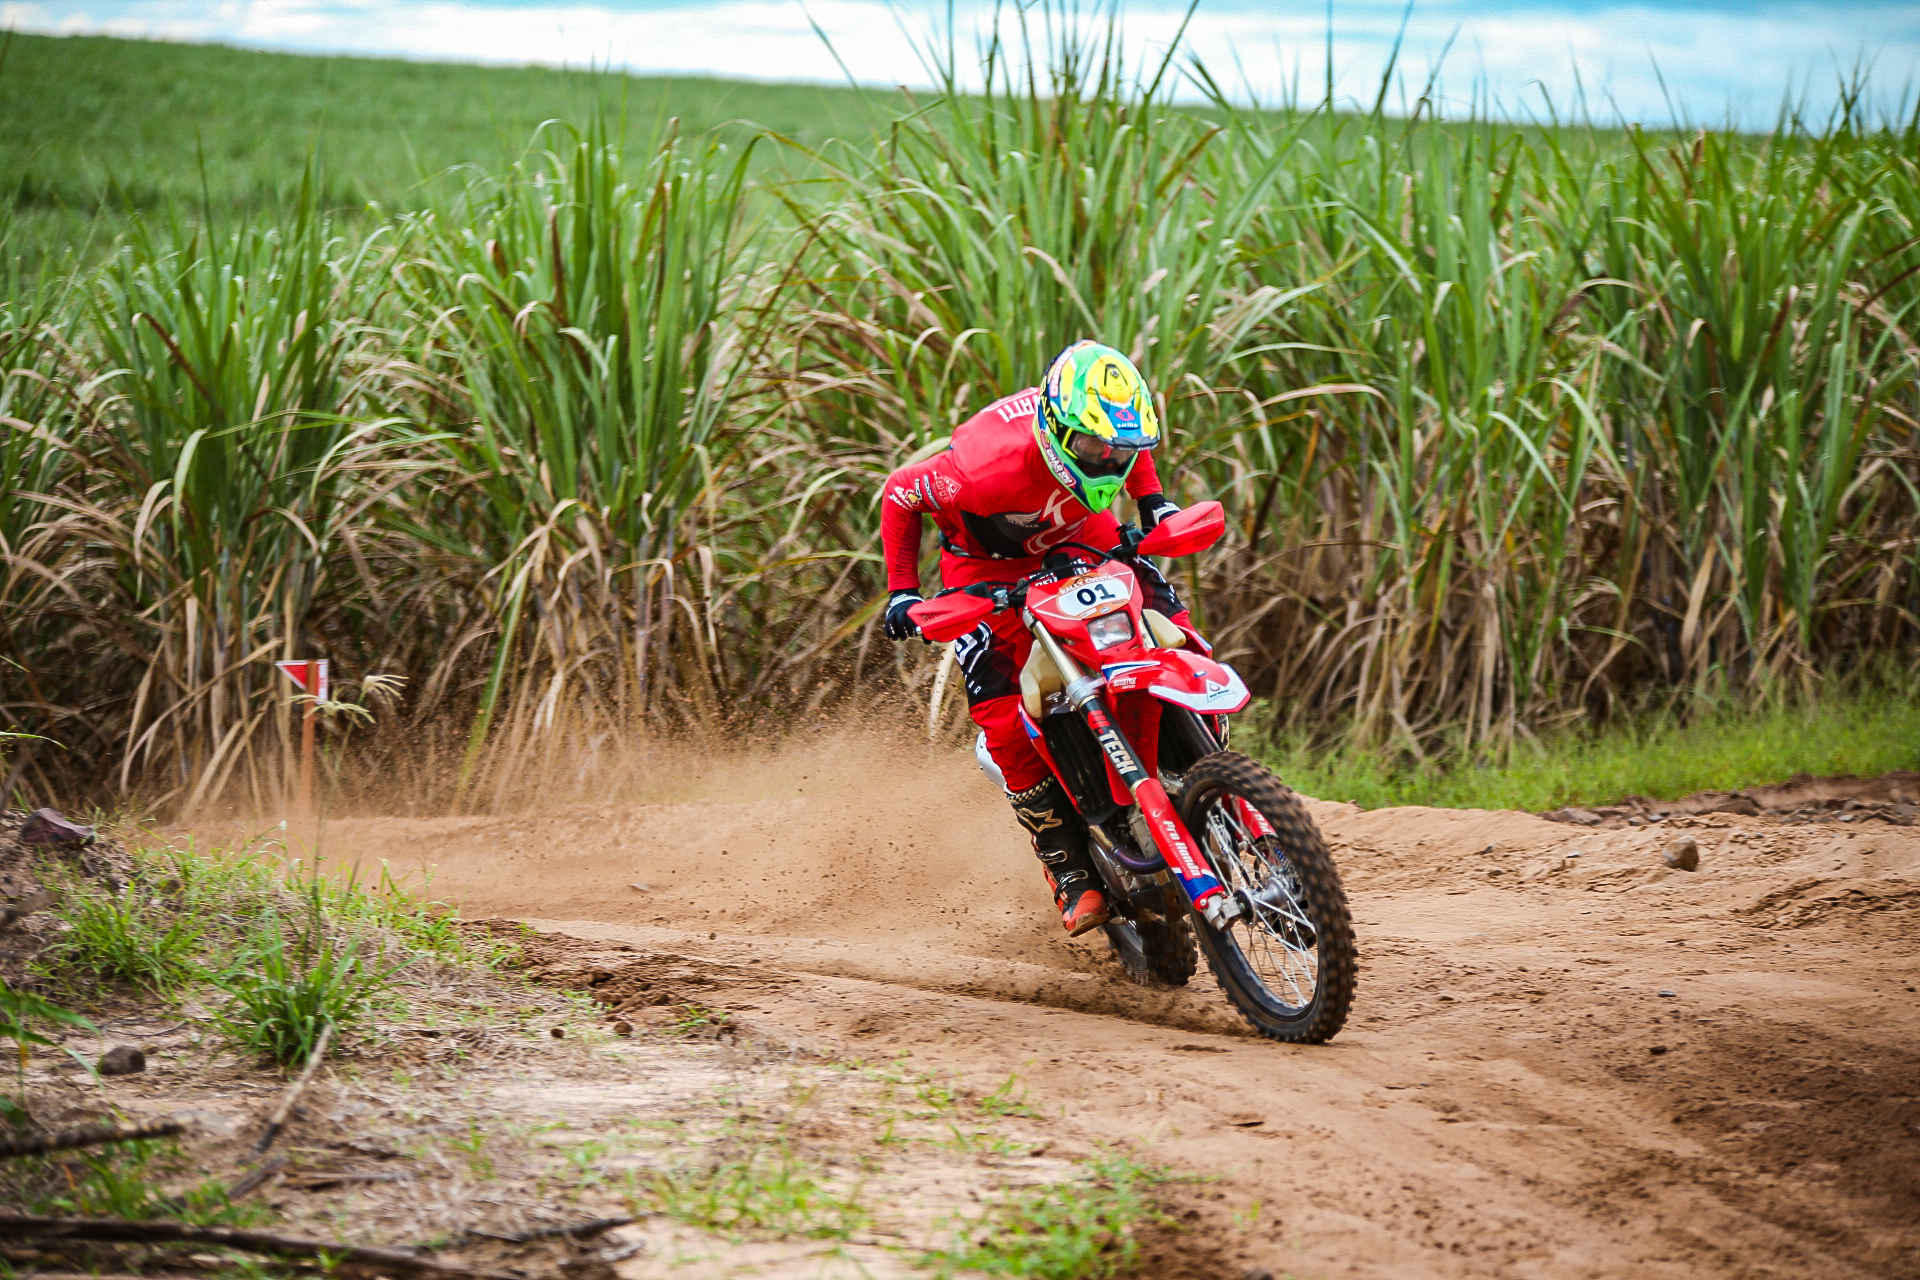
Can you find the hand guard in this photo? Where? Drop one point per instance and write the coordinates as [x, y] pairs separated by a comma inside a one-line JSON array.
[[898, 624], [1154, 507]]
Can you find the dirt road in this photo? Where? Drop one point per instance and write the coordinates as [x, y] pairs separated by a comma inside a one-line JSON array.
[[1565, 1060]]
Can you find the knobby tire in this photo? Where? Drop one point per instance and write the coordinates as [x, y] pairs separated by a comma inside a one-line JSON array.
[[1161, 952], [1298, 843]]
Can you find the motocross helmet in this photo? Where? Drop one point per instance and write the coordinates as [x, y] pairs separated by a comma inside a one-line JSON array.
[[1095, 418]]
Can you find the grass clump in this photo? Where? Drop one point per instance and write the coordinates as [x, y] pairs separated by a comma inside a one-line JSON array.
[[694, 1019], [134, 937], [128, 1181], [761, 1189], [1080, 1230], [1661, 757], [287, 948], [283, 992], [1008, 1099]]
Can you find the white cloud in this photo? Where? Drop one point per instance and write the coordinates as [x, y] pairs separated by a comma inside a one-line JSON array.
[[1719, 60]]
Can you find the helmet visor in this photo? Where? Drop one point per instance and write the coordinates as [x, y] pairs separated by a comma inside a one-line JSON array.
[[1097, 457]]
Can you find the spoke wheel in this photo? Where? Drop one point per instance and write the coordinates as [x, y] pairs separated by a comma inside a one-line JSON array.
[[1288, 964]]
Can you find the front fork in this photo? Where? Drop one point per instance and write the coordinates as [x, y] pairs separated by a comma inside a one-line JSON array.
[[1087, 694]]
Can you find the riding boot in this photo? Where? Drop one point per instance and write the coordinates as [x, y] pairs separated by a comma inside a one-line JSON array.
[[1060, 842]]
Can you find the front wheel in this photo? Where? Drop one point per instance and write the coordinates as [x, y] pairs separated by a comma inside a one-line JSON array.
[[1288, 963]]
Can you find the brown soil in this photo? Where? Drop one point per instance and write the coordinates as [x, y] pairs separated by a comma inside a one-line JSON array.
[[1565, 1058], [30, 857], [1891, 798]]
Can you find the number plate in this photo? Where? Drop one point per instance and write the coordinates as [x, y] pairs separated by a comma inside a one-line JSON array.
[[1091, 596]]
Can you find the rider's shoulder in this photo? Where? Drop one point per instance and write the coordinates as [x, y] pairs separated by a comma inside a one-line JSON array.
[[1002, 428], [994, 453], [1014, 411]]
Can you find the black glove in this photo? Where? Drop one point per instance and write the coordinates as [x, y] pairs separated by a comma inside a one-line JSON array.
[[898, 625], [1154, 507]]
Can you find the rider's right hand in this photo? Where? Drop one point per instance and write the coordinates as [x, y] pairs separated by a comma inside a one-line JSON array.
[[899, 624]]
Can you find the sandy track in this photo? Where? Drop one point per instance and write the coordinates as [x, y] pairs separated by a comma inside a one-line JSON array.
[[1515, 1095]]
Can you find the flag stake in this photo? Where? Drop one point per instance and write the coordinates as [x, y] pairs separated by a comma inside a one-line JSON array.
[[311, 676]]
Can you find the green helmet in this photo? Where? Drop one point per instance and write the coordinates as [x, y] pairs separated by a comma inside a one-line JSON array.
[[1095, 419]]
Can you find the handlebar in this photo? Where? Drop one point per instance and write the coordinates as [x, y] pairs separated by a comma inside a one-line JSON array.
[[1181, 533], [1014, 595]]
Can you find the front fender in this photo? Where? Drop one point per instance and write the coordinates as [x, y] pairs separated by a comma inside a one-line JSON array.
[[1184, 679]]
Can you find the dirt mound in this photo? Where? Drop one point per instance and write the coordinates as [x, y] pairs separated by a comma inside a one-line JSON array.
[[624, 979], [32, 844], [1892, 798]]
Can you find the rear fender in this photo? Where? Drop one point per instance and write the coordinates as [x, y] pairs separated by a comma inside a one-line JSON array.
[[1183, 678]]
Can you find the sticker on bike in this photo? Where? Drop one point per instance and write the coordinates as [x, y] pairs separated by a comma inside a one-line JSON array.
[[1091, 595]]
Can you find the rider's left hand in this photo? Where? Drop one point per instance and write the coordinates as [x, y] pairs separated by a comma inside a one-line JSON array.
[[1154, 507]]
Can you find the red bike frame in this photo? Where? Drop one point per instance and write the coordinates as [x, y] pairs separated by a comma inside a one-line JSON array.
[[1093, 627]]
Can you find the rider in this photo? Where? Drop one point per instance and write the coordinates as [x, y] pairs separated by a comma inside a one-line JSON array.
[[1031, 471]]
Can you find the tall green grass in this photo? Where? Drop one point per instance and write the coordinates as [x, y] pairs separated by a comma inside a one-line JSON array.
[[1518, 429], [589, 329]]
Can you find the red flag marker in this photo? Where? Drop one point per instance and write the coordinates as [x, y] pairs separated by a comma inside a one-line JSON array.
[[311, 676]]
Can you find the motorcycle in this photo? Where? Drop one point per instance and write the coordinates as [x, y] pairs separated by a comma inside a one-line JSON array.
[[1191, 840]]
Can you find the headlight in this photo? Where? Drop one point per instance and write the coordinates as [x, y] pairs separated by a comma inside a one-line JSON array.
[[1115, 628]]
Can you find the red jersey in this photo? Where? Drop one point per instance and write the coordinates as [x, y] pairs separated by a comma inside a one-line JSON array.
[[998, 507]]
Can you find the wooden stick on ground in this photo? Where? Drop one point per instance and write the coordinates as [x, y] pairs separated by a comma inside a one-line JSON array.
[[114, 1230], [91, 1135], [256, 1178], [577, 1231], [279, 1119]]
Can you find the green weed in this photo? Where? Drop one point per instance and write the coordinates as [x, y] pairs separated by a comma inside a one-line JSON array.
[[935, 1095], [696, 1017], [756, 1189], [585, 1159], [1081, 1230], [126, 1181], [1003, 1101], [979, 1142], [137, 937], [286, 986]]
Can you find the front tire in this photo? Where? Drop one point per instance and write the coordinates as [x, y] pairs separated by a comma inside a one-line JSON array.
[[1289, 965]]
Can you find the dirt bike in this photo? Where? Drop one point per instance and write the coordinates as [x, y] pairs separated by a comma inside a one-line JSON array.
[[1188, 837]]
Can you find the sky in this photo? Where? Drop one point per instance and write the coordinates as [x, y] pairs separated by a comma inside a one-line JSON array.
[[1706, 62]]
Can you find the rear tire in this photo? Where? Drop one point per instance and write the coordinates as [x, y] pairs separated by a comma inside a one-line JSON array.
[[1290, 969], [1157, 953]]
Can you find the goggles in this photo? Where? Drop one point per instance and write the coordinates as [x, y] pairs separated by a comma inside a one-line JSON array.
[[1099, 457]]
